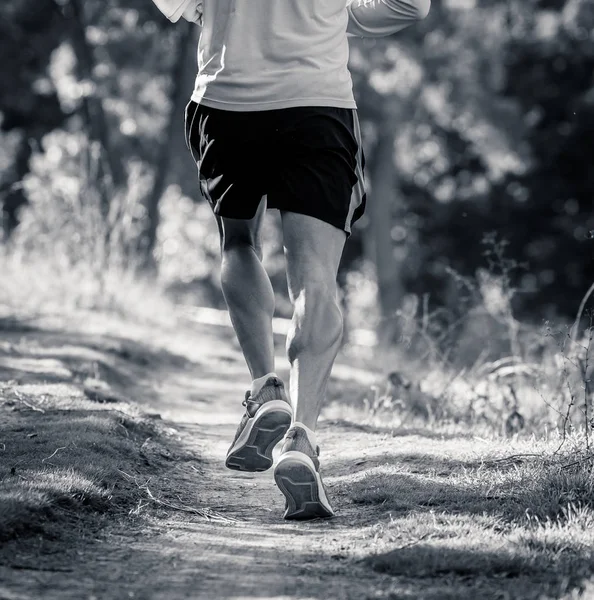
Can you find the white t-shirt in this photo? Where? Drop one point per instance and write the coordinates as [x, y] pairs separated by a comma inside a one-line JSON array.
[[270, 54]]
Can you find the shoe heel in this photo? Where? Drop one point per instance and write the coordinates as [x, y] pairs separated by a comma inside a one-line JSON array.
[[297, 478], [268, 428]]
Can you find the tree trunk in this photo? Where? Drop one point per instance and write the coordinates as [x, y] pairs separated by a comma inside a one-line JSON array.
[[381, 204], [105, 170], [29, 33], [179, 98], [110, 171], [102, 165]]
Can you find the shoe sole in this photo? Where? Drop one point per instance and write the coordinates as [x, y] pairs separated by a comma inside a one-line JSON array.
[[301, 484], [253, 449]]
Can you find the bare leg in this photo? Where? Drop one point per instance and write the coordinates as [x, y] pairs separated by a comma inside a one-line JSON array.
[[247, 290], [312, 250]]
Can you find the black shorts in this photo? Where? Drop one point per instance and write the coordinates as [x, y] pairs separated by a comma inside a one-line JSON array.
[[306, 160]]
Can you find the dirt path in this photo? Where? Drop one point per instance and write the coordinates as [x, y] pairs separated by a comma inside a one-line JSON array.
[[252, 552], [194, 378]]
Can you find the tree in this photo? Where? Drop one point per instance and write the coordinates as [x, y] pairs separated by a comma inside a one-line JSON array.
[[185, 43], [29, 32]]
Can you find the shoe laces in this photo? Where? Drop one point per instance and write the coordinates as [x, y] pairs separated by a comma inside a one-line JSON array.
[[276, 382]]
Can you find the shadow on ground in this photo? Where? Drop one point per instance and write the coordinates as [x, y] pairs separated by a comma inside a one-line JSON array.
[[202, 561], [36, 356], [392, 431], [474, 512], [445, 572], [78, 438], [403, 482]]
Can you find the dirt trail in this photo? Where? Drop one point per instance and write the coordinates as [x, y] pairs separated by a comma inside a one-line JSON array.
[[252, 552], [427, 528]]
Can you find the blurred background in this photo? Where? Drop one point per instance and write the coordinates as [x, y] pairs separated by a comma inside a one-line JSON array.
[[478, 126]]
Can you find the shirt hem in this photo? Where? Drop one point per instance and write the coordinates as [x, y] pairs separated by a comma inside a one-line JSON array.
[[273, 105]]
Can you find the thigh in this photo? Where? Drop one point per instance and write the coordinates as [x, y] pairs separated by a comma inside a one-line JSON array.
[[313, 249], [228, 149]]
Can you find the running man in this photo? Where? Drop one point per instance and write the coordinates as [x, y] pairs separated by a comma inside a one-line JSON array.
[[272, 123]]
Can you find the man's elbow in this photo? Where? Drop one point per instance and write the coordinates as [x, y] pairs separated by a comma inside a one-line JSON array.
[[423, 7]]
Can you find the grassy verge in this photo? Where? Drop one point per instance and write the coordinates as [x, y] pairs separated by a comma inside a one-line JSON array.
[[76, 449], [471, 517], [45, 285], [62, 466]]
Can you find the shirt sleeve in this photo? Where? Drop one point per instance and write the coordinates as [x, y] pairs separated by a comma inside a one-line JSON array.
[[379, 18]]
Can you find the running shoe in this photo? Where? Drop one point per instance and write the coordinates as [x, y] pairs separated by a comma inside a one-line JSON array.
[[297, 475], [267, 418]]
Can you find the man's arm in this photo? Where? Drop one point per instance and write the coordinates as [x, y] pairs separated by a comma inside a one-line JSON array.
[[174, 10], [378, 18]]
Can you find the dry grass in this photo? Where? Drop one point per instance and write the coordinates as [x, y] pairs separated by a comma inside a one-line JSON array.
[[60, 465], [464, 559], [471, 517], [74, 447], [473, 366], [546, 390], [35, 285], [510, 489]]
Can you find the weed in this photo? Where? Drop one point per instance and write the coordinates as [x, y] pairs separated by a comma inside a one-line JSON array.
[[477, 367]]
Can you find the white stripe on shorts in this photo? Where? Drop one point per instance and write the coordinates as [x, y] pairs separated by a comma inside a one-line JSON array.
[[359, 187]]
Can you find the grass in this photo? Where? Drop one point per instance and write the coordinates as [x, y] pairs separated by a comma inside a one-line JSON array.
[[63, 465], [34, 285], [471, 517], [545, 390], [511, 491], [484, 563], [74, 448], [473, 366], [480, 556]]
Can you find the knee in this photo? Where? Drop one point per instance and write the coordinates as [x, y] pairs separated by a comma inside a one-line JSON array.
[[240, 242], [317, 321]]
